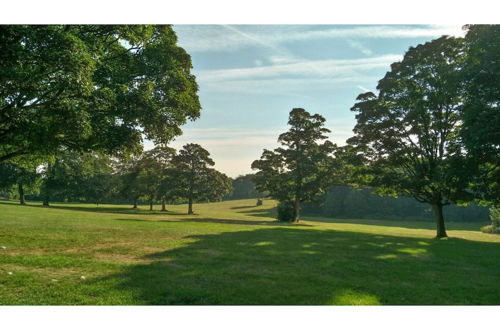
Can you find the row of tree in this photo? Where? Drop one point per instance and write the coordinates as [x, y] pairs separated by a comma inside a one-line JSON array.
[[430, 132], [157, 175]]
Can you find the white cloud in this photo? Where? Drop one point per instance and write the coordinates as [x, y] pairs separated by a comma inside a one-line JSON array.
[[359, 46], [207, 38], [294, 76], [331, 68]]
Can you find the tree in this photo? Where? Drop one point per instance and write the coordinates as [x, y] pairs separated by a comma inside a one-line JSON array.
[[98, 178], [194, 179], [301, 170], [154, 167], [409, 134], [75, 176], [131, 186], [481, 110], [20, 174], [244, 187], [91, 87]]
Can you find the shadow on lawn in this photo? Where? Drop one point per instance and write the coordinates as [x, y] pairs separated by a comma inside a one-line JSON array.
[[125, 209], [297, 266], [223, 221], [410, 224], [259, 212]]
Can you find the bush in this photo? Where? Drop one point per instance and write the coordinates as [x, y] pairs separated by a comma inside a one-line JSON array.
[[495, 221], [260, 202], [286, 211], [488, 229]]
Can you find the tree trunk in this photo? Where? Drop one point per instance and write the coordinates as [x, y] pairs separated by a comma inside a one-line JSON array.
[[22, 201], [296, 206], [135, 204], [46, 198], [163, 206], [151, 205], [438, 211], [45, 186], [190, 205]]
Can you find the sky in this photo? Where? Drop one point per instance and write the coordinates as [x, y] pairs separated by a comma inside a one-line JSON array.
[[251, 76]]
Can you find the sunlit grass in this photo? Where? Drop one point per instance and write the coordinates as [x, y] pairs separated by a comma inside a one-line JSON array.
[[235, 253]]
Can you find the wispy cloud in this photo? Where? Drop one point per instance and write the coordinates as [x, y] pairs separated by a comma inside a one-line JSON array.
[[320, 74], [206, 38], [356, 44], [330, 68]]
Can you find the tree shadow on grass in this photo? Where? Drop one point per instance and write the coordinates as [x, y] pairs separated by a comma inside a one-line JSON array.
[[260, 212], [223, 221], [411, 224], [125, 209], [298, 266]]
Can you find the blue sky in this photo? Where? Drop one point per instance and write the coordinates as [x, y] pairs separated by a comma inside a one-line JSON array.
[[251, 76]]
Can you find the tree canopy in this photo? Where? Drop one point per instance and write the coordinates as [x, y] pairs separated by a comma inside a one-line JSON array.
[[302, 168], [92, 87], [193, 178], [410, 132], [481, 111]]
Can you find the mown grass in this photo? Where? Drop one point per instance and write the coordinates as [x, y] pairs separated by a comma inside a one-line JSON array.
[[235, 253]]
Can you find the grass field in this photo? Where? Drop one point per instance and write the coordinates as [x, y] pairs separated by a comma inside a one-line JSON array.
[[235, 253]]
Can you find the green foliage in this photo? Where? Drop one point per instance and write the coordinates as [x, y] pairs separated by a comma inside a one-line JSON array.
[[285, 211], [495, 214], [481, 110], [409, 134], [489, 229], [301, 170], [193, 180], [21, 173], [244, 188], [92, 87], [78, 176]]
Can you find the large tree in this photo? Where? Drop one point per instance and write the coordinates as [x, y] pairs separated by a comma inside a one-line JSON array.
[[90, 87], [22, 174], [409, 133], [193, 179], [481, 111], [302, 169]]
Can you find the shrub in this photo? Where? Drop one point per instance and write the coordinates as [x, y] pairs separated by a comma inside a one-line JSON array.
[[487, 229], [260, 202], [286, 211]]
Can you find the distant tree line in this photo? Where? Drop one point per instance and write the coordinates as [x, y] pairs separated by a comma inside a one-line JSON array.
[[244, 188], [347, 202], [157, 175]]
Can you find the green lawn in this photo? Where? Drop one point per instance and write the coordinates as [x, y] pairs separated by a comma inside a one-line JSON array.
[[234, 253]]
